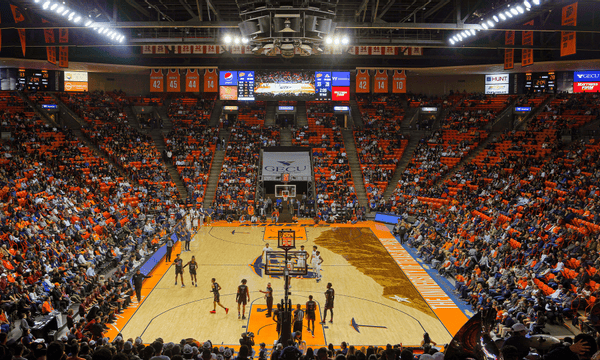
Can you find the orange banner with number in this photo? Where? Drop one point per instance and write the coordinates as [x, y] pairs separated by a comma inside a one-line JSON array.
[[527, 40], [157, 80], [173, 81], [381, 82], [192, 81], [399, 82], [568, 41], [18, 16], [363, 81], [210, 80], [509, 54]]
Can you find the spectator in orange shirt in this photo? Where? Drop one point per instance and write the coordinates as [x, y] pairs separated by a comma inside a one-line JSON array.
[[47, 306]]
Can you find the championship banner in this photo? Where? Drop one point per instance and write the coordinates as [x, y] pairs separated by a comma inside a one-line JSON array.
[[568, 42], [363, 81], [49, 38], [156, 80], [18, 16], [527, 40], [381, 82], [192, 81], [399, 82], [509, 54], [173, 80], [210, 80]]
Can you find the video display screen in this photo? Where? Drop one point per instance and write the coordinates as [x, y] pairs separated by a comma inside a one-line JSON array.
[[284, 85]]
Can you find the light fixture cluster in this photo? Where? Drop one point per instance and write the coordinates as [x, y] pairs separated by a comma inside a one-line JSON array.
[[236, 40], [337, 41], [71, 15], [508, 13]]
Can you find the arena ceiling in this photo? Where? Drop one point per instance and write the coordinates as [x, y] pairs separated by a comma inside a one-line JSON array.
[[427, 24]]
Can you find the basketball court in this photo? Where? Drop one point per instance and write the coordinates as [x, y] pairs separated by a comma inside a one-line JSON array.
[[376, 299]]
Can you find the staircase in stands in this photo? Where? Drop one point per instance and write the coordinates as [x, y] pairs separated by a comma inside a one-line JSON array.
[[270, 115], [413, 141], [159, 142], [216, 114], [285, 136], [215, 171], [355, 118], [301, 119], [357, 178]]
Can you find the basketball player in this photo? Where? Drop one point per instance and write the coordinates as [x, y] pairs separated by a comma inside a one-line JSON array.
[[313, 259], [178, 269], [269, 297], [302, 256], [298, 319], [329, 297], [242, 297], [264, 254], [215, 290], [319, 261], [193, 266], [311, 307]]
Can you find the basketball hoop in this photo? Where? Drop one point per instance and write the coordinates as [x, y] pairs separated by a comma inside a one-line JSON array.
[[285, 194]]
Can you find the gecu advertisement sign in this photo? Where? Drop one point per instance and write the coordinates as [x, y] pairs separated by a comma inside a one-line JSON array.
[[586, 81]]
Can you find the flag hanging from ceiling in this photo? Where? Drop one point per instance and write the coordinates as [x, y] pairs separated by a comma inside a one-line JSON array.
[[63, 51], [568, 42], [49, 38], [18, 16], [527, 40], [509, 54]]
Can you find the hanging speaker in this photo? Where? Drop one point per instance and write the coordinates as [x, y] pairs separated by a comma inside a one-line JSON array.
[[264, 23], [249, 28], [324, 26]]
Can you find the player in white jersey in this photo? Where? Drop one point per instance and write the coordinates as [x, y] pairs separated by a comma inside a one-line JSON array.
[[264, 254], [302, 256], [313, 259], [318, 266]]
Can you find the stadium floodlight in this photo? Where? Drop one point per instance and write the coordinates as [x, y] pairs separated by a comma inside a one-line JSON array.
[[53, 7], [122, 38], [46, 4], [459, 37], [345, 40], [451, 42], [336, 41], [60, 9], [36, 1], [227, 39], [496, 18], [77, 19], [527, 4], [100, 29], [508, 14], [87, 23], [502, 17], [66, 12], [245, 40], [328, 40], [484, 25], [472, 32], [536, 2], [514, 11], [236, 40], [71, 15], [520, 9], [490, 23]]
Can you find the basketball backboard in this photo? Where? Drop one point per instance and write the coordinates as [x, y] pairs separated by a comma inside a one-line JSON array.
[[296, 264]]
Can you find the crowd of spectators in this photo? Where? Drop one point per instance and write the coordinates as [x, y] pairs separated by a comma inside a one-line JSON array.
[[191, 143], [68, 217]]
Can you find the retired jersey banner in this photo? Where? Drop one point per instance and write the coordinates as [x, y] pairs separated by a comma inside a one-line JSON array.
[[527, 40], [210, 80], [192, 81], [509, 54], [399, 82], [157, 80], [173, 80], [381, 82], [18, 16], [568, 41], [63, 56], [363, 81], [49, 38]]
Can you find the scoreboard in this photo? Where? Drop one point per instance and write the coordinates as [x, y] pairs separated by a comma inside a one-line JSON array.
[[246, 85], [34, 80], [540, 82], [322, 86]]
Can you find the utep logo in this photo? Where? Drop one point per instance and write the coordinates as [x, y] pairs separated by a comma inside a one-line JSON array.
[[228, 76]]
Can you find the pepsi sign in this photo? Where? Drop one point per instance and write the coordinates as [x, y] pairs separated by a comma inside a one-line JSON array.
[[340, 78], [228, 78], [586, 76]]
